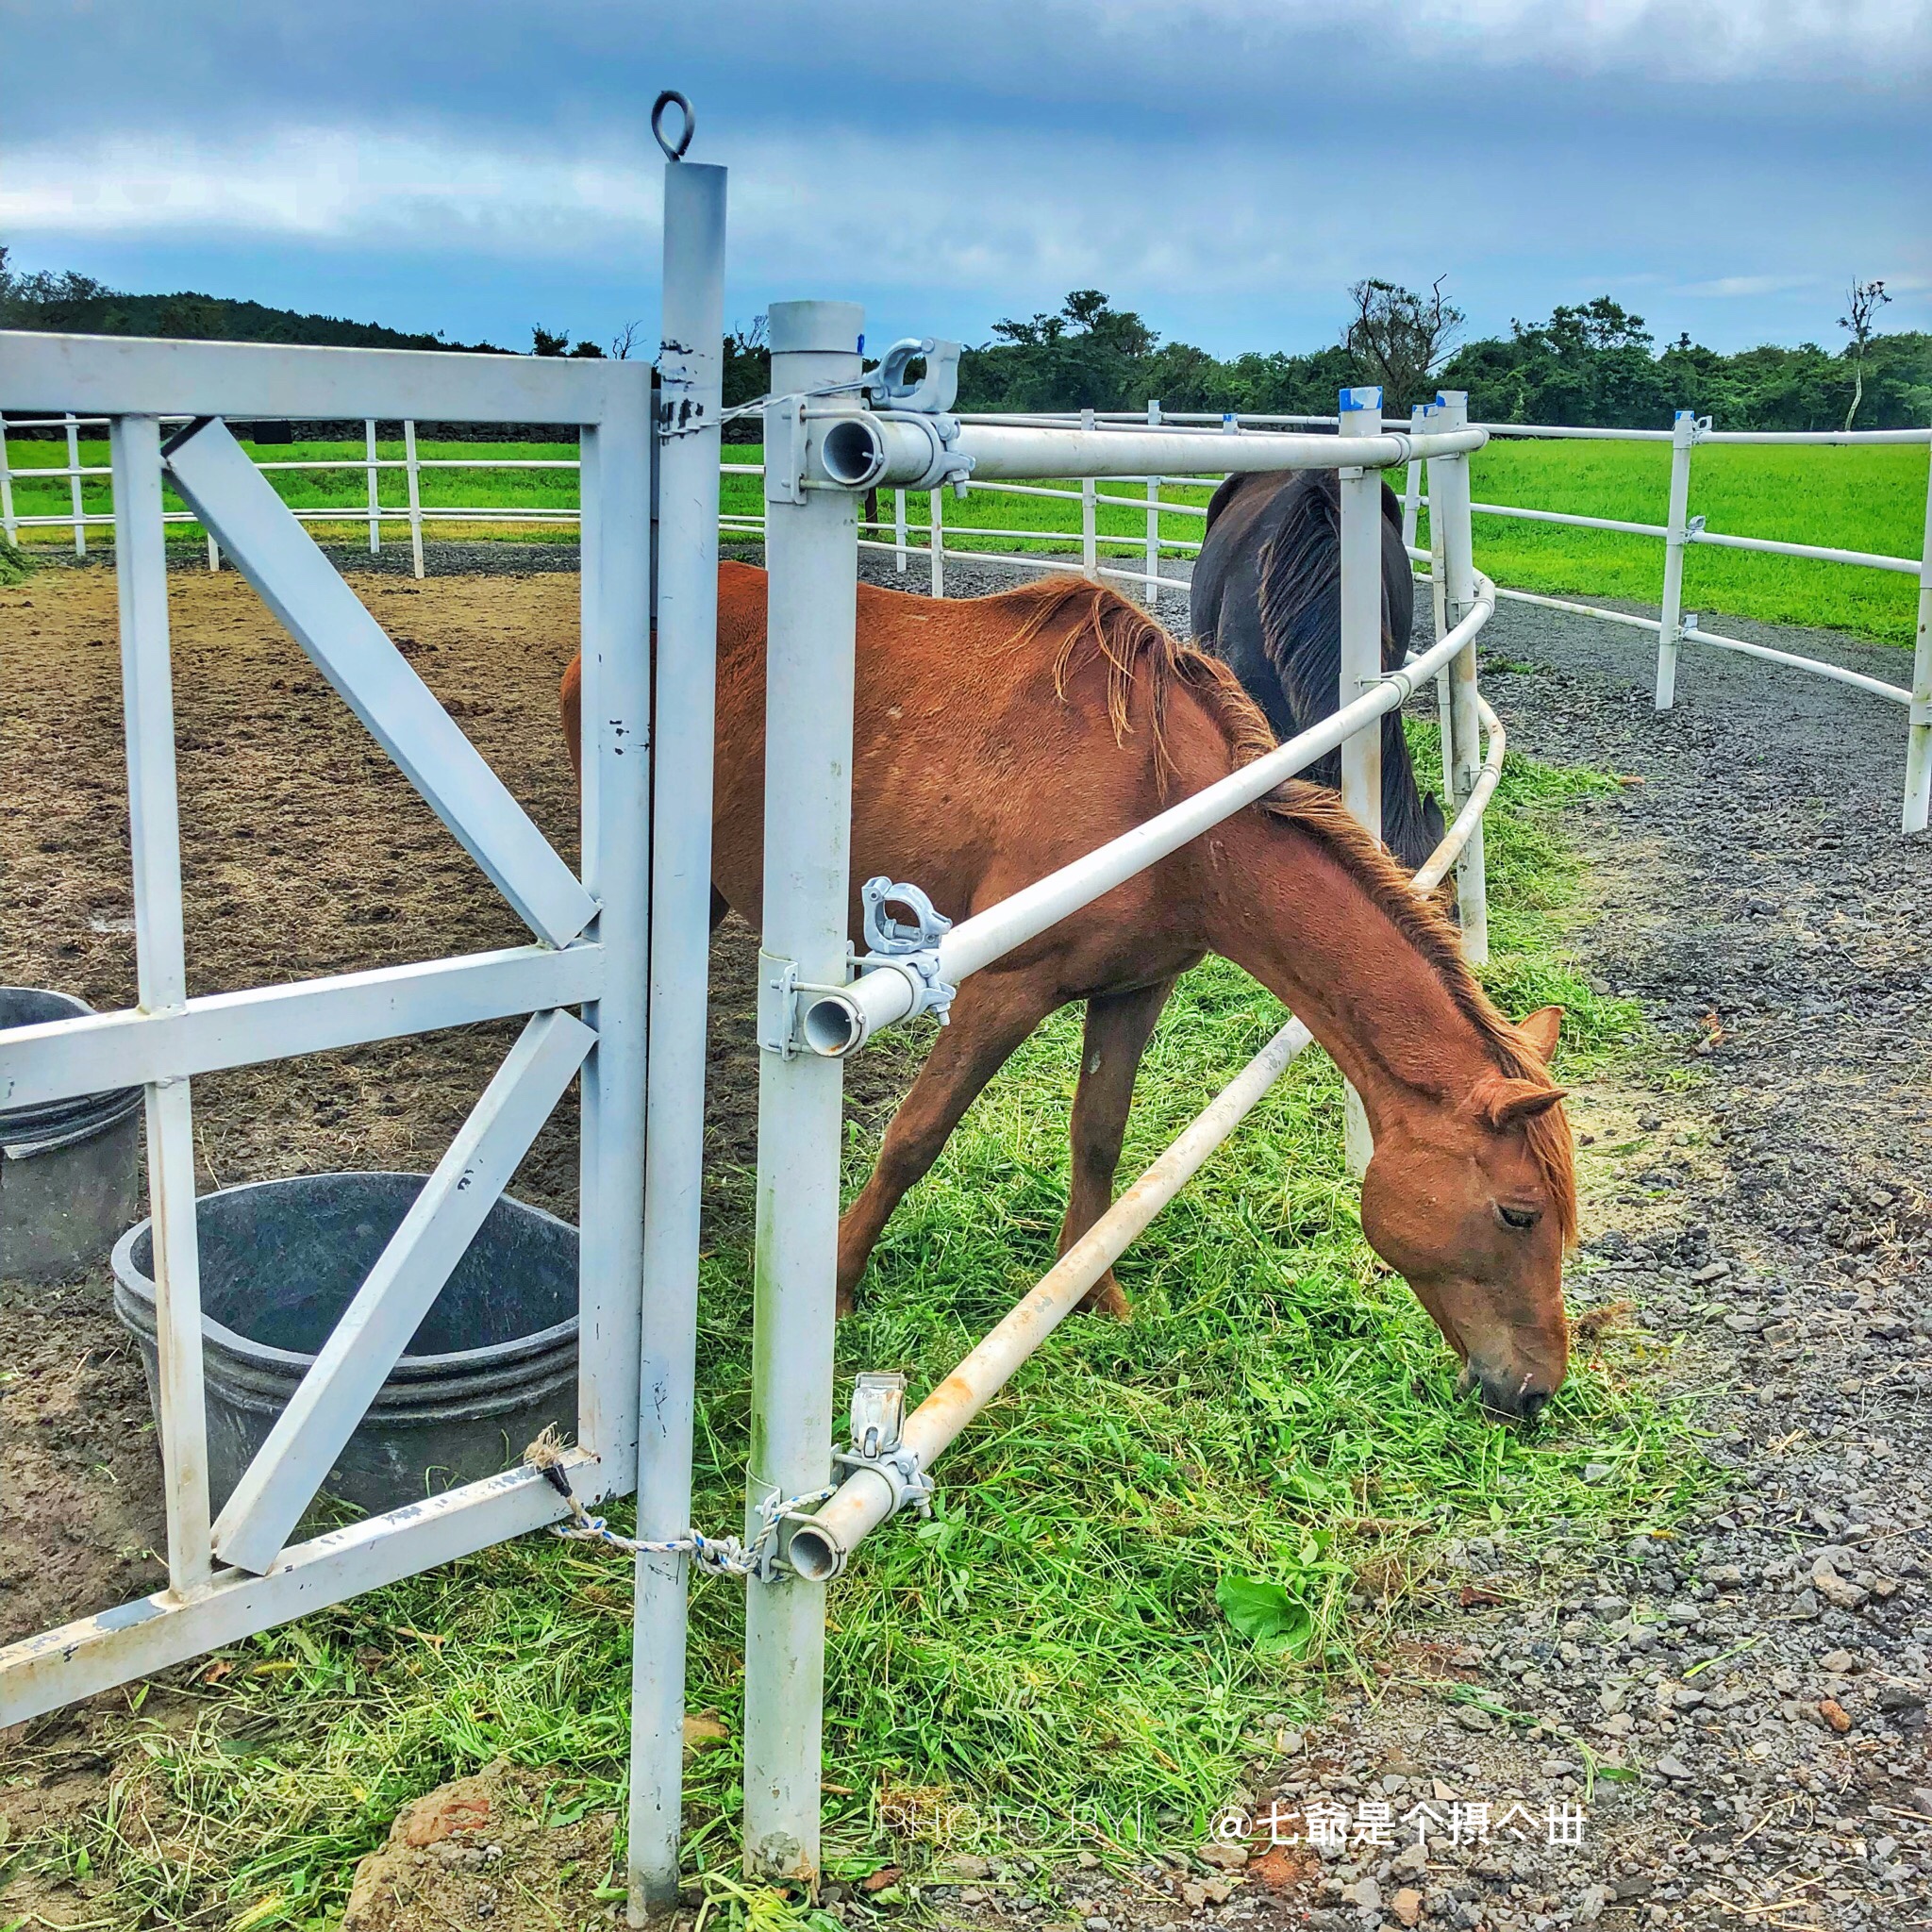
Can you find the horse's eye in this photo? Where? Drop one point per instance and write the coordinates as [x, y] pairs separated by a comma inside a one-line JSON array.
[[1518, 1217]]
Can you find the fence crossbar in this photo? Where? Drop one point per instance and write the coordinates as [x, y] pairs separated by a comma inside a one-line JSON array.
[[819, 1547]]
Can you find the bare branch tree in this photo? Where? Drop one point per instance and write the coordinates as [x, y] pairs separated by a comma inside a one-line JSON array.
[[1864, 300], [625, 341], [1400, 338]]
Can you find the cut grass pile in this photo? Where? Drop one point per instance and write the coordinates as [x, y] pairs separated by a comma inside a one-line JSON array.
[[1870, 499], [1055, 1657]]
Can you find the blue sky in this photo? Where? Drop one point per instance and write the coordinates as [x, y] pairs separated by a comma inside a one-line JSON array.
[[1226, 167]]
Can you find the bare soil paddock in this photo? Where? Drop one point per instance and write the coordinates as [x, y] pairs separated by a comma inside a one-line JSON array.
[[303, 851]]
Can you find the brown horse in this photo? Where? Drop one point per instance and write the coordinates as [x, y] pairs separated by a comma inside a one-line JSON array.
[[998, 738]]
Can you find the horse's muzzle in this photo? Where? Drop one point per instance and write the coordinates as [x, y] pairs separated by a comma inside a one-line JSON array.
[[1508, 1396]]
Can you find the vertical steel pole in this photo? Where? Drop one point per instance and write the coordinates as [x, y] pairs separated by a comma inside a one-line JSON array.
[[1153, 598], [1677, 524], [1424, 419], [214, 552], [1090, 541], [9, 527], [616, 816], [415, 495], [374, 490], [1919, 741], [1449, 499], [899, 531], [935, 537], [74, 491], [691, 362], [1360, 414], [140, 569], [811, 549]]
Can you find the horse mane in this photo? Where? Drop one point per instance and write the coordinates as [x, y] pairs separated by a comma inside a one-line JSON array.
[[1091, 623]]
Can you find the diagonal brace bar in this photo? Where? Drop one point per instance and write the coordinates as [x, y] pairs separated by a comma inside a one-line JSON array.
[[239, 507], [407, 1277]]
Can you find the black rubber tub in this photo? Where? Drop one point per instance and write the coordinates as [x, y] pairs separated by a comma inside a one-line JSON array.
[[495, 1360], [70, 1170]]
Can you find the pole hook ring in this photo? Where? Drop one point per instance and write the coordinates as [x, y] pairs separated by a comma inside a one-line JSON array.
[[671, 98]]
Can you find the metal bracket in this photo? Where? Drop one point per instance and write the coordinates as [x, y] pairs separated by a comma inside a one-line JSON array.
[[933, 394], [885, 934], [785, 450], [1693, 526], [878, 1419], [911, 949], [1700, 429]]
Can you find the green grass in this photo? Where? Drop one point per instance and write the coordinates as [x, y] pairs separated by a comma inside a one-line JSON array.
[[1870, 499], [1047, 1661]]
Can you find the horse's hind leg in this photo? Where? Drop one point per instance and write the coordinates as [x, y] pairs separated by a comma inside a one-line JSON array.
[[990, 1017], [1118, 1028]]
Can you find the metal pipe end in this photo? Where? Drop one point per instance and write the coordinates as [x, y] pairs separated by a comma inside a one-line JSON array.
[[815, 1553], [834, 1025], [852, 452]]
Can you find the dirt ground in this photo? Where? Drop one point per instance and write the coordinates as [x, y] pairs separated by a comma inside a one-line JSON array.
[[304, 852]]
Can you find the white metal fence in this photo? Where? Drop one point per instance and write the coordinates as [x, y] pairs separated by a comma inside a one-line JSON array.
[[1678, 533], [416, 514]]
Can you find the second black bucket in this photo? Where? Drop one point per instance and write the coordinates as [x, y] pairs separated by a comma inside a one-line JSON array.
[[493, 1362], [70, 1170]]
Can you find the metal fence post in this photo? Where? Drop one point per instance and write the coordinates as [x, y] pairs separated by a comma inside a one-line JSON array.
[[9, 527], [1676, 528], [1919, 741], [1090, 541], [141, 568], [934, 537], [1449, 514], [899, 531], [692, 371], [74, 493], [1422, 419], [1152, 523], [1360, 414], [374, 490], [811, 553], [415, 495]]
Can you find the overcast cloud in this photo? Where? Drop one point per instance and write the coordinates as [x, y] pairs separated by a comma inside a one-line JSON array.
[[1226, 166]]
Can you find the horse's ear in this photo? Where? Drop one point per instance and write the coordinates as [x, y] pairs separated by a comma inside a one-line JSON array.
[[1503, 1103], [1538, 1031]]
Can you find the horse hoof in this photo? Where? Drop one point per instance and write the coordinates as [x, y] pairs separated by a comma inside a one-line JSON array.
[[1107, 1299]]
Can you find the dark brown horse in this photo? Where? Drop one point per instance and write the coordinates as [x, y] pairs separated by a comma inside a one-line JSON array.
[[998, 738], [1267, 601]]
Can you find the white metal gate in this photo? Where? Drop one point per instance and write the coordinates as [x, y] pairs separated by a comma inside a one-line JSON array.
[[239, 1573]]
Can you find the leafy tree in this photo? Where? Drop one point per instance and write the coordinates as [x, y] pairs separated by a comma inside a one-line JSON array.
[[1399, 338]]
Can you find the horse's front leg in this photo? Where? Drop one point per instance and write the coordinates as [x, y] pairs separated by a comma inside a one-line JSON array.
[[1118, 1028], [991, 1015]]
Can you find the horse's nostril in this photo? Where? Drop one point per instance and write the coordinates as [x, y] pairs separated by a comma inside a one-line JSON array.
[[1534, 1403]]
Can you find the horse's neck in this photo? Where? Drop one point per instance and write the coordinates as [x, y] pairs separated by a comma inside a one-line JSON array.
[[1289, 908]]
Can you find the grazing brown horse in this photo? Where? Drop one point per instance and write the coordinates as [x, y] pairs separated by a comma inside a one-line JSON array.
[[998, 738]]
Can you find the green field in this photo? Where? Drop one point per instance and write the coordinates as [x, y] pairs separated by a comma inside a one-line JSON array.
[[1870, 499], [1048, 1661]]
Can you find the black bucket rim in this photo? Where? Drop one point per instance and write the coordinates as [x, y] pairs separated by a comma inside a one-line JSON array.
[[141, 1287], [57, 1123]]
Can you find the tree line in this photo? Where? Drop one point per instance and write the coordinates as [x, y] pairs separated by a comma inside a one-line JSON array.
[[1594, 364]]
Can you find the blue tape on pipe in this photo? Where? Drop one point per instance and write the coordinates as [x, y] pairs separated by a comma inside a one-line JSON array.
[[1367, 396]]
